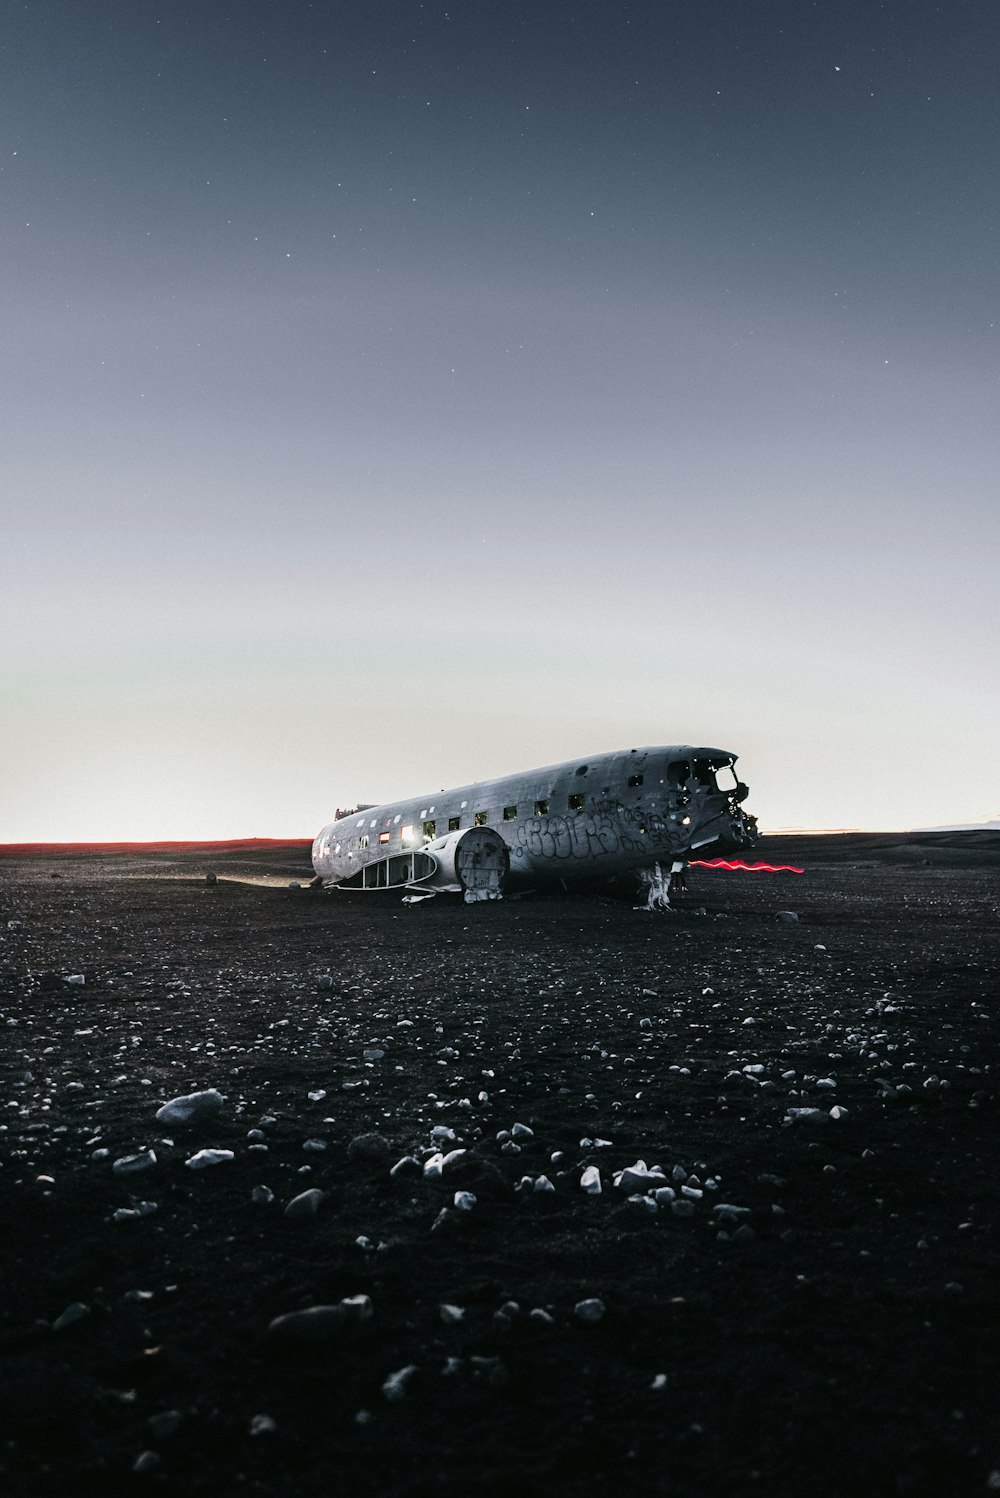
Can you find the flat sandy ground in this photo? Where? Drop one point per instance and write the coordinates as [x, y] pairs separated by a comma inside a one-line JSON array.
[[836, 1335]]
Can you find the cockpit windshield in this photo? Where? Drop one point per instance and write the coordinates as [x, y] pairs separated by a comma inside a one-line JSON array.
[[725, 775]]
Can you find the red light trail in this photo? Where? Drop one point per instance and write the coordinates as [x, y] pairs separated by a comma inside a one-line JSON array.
[[749, 868]]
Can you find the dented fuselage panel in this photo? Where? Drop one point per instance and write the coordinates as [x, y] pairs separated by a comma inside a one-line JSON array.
[[583, 819]]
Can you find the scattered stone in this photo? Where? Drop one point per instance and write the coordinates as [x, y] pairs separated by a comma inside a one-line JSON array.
[[787, 917], [306, 1204], [590, 1181], [75, 980], [315, 1324], [263, 1425], [638, 1177], [394, 1387], [368, 1149], [589, 1311], [451, 1315], [358, 1308], [146, 1461], [72, 1314], [131, 1164], [806, 1116], [194, 1107], [262, 1194], [204, 1158], [521, 1132]]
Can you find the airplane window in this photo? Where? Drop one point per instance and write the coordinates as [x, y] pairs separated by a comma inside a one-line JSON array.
[[464, 805], [454, 823], [635, 780], [725, 777], [397, 820], [576, 803], [678, 771], [364, 840], [509, 813], [407, 833], [423, 813], [360, 822], [337, 848], [581, 770], [373, 821], [482, 817], [384, 837], [429, 828], [542, 807]]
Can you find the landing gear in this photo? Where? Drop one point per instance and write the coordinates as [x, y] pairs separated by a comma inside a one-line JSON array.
[[660, 887], [657, 889]]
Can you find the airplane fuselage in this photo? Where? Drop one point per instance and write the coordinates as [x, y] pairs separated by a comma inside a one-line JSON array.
[[592, 818]]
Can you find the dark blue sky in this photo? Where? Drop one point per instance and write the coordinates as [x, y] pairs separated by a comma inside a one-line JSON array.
[[415, 392]]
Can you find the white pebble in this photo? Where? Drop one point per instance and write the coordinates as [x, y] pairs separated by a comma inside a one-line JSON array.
[[305, 1204], [132, 1164], [209, 1157], [394, 1387], [72, 1314], [190, 1108], [589, 1311]]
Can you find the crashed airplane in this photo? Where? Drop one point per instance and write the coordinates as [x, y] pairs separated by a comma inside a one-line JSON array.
[[614, 814]]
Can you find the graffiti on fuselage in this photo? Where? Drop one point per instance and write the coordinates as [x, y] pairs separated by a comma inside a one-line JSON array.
[[602, 833]]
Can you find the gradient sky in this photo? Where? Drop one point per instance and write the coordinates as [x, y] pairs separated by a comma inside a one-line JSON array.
[[401, 394]]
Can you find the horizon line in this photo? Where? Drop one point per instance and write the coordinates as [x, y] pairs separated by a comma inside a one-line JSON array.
[[123, 845]]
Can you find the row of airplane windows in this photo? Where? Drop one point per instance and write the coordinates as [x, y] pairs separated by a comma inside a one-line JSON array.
[[509, 813], [574, 802]]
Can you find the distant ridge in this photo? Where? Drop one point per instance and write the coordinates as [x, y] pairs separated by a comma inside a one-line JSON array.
[[992, 826], [230, 845]]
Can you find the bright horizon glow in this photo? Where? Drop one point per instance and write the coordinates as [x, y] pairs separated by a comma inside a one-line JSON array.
[[377, 421]]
